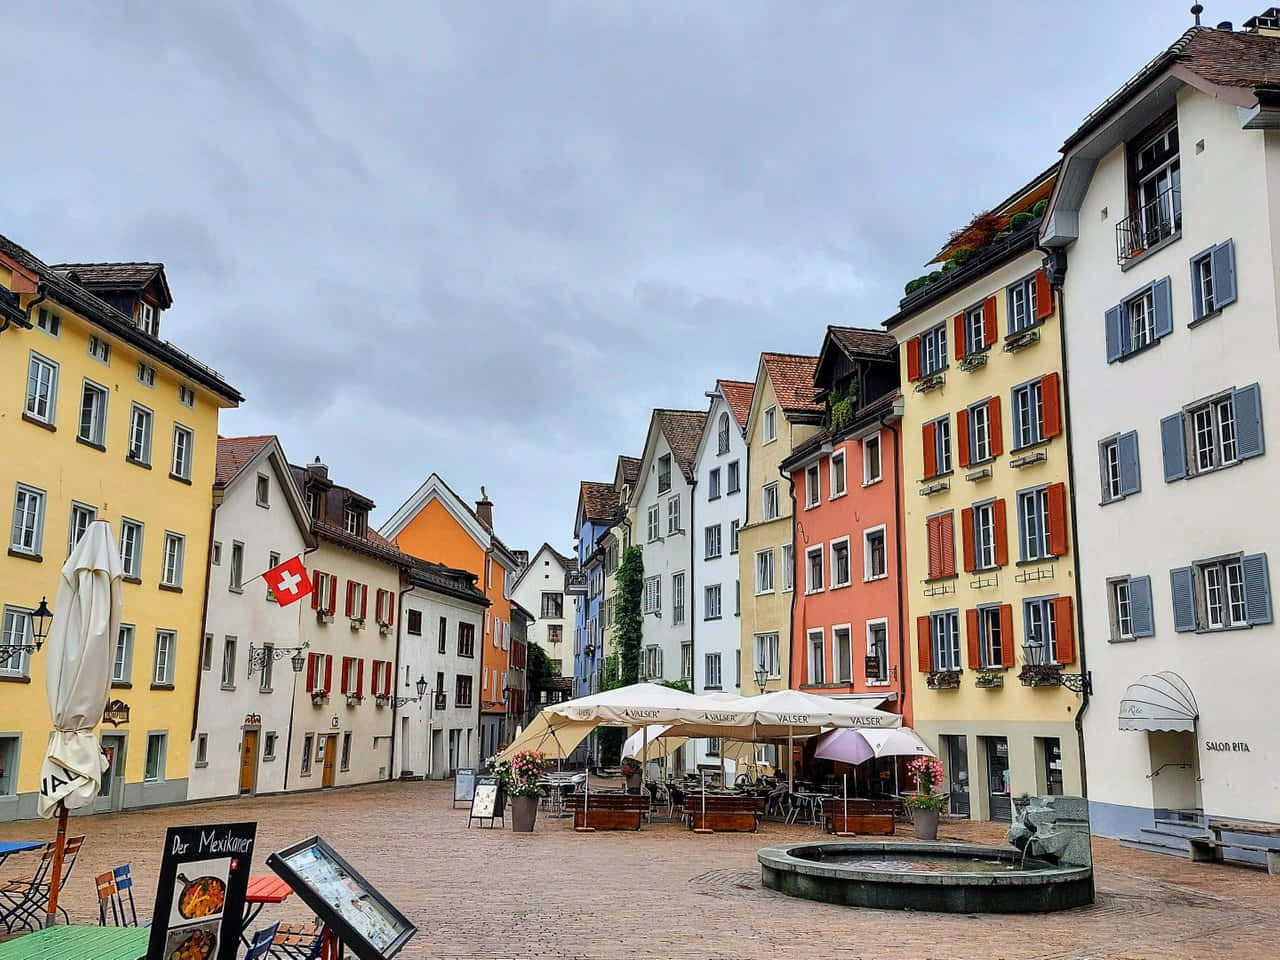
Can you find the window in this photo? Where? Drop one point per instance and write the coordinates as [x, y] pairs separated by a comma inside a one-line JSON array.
[[162, 666], [1123, 592], [871, 469], [837, 474], [17, 633], [788, 564], [236, 581], [653, 594], [206, 652], [765, 653], [147, 318], [269, 745], [664, 473], [140, 435], [840, 574], [308, 741], [1155, 183], [722, 434], [1039, 625], [735, 528], [1118, 463], [770, 424], [712, 538], [975, 330], [733, 477], [712, 671], [555, 632], [146, 375], [944, 631], [842, 654], [553, 606], [812, 495], [769, 504], [1140, 320], [202, 750], [153, 769], [217, 553], [686, 662], [99, 349], [1214, 433], [817, 656], [995, 640], [462, 691], [933, 350], [131, 547], [81, 517], [653, 662], [268, 665], [677, 599], [1213, 280], [466, 639], [48, 321], [711, 602], [764, 571], [874, 563], [346, 749], [28, 521], [1028, 414], [813, 570], [122, 655], [877, 651], [174, 547], [42, 389], [186, 396], [673, 516], [940, 538], [229, 663], [713, 746], [937, 447], [93, 414], [352, 521], [1033, 523], [980, 432], [653, 523], [313, 504], [273, 561], [713, 484], [262, 492], [1023, 308], [984, 535]]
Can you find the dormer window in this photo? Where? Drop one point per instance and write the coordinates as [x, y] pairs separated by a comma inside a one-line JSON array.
[[1155, 191], [353, 520], [664, 473], [147, 318]]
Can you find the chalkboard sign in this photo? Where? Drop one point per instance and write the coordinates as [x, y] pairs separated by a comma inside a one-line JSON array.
[[464, 785], [200, 895], [488, 802], [352, 908]]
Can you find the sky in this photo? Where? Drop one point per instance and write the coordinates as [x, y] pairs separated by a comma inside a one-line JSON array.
[[486, 239]]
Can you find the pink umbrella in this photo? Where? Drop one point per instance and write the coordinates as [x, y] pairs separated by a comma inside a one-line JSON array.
[[845, 745]]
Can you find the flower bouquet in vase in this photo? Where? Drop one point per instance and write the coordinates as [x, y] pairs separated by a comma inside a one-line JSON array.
[[520, 779], [927, 802]]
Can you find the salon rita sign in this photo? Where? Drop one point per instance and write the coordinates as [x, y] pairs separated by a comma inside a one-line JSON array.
[[1226, 746]]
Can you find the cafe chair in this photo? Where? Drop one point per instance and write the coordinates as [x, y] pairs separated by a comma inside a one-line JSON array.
[[115, 892], [24, 899], [297, 941], [260, 946]]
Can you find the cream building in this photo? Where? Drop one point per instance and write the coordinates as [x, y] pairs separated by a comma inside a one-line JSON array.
[[540, 589]]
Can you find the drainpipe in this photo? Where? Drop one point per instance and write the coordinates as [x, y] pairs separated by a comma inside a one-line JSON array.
[[395, 710], [40, 297], [693, 589], [204, 624], [791, 660], [902, 574]]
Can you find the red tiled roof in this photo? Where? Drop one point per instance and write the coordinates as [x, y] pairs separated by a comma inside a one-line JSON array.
[[234, 453], [599, 501], [683, 429], [792, 377], [737, 393], [630, 469], [856, 341]]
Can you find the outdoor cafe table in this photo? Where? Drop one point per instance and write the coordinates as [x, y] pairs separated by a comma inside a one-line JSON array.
[[8, 847], [262, 889], [79, 943]]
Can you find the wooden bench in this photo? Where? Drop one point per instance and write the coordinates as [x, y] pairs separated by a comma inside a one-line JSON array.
[[864, 816], [1211, 850], [610, 811], [723, 814]]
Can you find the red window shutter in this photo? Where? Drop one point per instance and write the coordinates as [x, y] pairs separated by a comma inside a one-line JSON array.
[[1064, 636], [930, 451], [328, 673], [1044, 296], [971, 624], [958, 323], [966, 539], [377, 605], [351, 584], [933, 529], [364, 600], [989, 321], [343, 679], [391, 607], [1006, 634], [913, 358], [947, 536], [311, 672], [995, 428], [962, 437], [1057, 497], [1000, 533], [1051, 400], [386, 679], [316, 578], [332, 583], [360, 677], [925, 644]]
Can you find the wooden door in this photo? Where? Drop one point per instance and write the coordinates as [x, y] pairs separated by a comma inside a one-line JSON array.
[[248, 760], [330, 756]]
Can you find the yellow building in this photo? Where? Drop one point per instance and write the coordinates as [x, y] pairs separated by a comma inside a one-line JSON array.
[[990, 560], [783, 414], [104, 420]]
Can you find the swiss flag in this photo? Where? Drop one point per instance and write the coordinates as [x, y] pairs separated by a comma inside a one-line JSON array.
[[289, 581]]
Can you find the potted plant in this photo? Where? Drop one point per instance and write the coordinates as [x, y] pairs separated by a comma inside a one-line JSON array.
[[926, 803], [630, 769], [519, 777]]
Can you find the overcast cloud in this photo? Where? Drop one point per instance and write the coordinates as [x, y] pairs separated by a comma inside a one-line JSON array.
[[486, 239]]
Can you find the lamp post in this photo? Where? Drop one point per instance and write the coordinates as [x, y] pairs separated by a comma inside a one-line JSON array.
[[40, 618], [297, 661]]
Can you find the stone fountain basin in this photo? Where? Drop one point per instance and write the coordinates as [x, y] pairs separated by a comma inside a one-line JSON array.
[[944, 879]]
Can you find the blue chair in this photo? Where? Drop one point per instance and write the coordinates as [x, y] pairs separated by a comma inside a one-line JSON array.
[[260, 947], [115, 891]]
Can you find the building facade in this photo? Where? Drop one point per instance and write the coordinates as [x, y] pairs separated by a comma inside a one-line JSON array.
[[247, 682], [597, 508], [615, 542], [106, 422], [1166, 212], [540, 589]]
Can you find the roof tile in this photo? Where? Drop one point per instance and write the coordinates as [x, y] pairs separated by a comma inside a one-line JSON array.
[[234, 453], [599, 500], [792, 377], [683, 430], [737, 393], [861, 342]]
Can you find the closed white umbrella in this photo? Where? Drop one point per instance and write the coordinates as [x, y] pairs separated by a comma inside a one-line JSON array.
[[86, 620], [900, 742]]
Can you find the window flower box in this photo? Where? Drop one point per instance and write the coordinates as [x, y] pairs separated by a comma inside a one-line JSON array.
[[381, 700], [1041, 675], [357, 623], [989, 679], [324, 616], [1023, 338], [383, 628], [319, 698], [943, 680], [973, 361], [931, 382], [353, 699]]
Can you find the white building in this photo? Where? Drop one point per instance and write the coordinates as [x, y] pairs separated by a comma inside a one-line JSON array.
[[1168, 212], [720, 466], [663, 504], [540, 590], [247, 681], [441, 626]]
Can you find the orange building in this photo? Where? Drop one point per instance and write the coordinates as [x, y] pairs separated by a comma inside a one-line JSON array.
[[436, 524]]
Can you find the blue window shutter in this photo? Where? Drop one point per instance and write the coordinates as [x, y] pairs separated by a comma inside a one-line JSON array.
[[1174, 441], [1162, 299], [1130, 472], [1248, 407], [1224, 274], [1197, 305], [1022, 528], [1115, 333], [1140, 607], [1182, 581], [1257, 588], [1016, 418]]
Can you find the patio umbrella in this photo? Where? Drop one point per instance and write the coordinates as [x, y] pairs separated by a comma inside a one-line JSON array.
[[653, 743], [845, 746], [900, 742], [85, 623], [856, 746], [554, 737]]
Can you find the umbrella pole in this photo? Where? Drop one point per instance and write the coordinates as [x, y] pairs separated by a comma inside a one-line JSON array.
[[845, 781], [56, 880]]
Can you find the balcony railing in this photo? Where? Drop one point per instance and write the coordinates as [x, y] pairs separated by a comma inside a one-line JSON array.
[[1148, 225]]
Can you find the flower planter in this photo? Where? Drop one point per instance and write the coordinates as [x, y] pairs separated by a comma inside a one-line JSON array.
[[925, 822], [524, 812]]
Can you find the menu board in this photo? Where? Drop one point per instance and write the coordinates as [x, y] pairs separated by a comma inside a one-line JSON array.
[[464, 785], [363, 919], [488, 802], [200, 895]]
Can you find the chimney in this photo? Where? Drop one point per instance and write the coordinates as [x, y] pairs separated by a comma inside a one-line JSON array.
[[1226, 26], [484, 510], [318, 469]]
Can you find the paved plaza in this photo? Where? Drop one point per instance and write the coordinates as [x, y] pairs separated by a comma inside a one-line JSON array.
[[666, 893]]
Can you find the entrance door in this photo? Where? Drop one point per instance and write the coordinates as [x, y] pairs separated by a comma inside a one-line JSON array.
[[405, 765], [455, 737], [436, 753], [998, 779], [957, 753], [111, 793], [1052, 766], [1175, 772], [248, 761], [330, 758]]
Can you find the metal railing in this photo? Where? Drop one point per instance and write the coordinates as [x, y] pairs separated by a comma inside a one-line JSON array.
[[1157, 220]]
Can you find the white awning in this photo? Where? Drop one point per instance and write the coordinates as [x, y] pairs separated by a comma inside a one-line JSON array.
[[1159, 701]]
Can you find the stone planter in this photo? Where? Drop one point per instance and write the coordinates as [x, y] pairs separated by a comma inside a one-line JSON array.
[[524, 811], [925, 822]]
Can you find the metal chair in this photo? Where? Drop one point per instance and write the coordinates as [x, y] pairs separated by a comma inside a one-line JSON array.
[[260, 946], [297, 941], [115, 890], [24, 899]]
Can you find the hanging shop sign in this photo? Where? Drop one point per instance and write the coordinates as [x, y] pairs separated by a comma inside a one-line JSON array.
[[116, 713]]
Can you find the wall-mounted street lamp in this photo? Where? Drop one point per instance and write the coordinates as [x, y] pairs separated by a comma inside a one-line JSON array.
[[762, 676], [259, 656], [40, 621], [422, 692]]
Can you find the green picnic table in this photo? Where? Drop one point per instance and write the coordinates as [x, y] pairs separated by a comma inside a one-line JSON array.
[[79, 943]]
